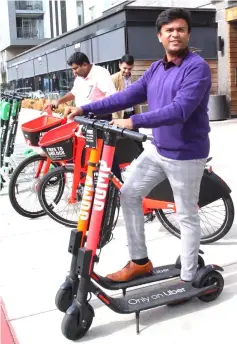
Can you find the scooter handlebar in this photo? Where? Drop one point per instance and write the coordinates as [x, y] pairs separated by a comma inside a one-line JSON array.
[[12, 96], [105, 126]]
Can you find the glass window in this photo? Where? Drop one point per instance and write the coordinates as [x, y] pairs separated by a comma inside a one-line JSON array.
[[63, 83], [70, 78], [92, 12], [112, 66], [80, 13]]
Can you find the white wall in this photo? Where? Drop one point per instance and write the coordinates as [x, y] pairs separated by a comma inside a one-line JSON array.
[[98, 9], [47, 31], [4, 25], [71, 12], [71, 8]]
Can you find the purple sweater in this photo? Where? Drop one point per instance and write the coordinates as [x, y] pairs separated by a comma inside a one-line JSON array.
[[177, 107]]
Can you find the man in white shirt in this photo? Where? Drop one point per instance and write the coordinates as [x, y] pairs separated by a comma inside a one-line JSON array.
[[91, 82]]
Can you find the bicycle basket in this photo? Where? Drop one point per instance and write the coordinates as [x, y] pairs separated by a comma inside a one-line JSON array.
[[58, 143], [34, 129]]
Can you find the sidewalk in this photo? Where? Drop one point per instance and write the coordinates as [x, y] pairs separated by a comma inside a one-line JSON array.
[[34, 262]]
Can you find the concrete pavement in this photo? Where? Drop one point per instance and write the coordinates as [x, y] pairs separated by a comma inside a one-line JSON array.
[[34, 261]]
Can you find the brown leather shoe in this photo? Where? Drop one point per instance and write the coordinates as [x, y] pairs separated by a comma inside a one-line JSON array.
[[131, 271]]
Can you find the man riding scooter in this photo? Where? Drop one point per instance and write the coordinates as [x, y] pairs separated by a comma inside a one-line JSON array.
[[177, 89]]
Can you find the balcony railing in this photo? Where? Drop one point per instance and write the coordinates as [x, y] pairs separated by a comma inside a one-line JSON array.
[[29, 5], [28, 33]]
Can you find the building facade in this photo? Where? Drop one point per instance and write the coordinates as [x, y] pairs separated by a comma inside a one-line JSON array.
[[25, 24], [226, 18], [126, 29]]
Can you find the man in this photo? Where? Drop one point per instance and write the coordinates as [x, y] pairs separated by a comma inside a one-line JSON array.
[[121, 81], [177, 89], [91, 82]]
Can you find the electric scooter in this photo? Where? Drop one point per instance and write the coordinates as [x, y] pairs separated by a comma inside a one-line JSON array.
[[207, 284], [5, 119], [10, 110], [68, 289]]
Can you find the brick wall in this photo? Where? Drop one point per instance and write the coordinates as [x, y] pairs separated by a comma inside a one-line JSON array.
[[141, 66], [233, 66], [214, 73]]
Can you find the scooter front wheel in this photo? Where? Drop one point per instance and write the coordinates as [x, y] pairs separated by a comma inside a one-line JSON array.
[[64, 299], [74, 328]]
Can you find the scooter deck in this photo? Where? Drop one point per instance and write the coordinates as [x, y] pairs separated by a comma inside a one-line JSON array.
[[159, 274], [156, 295]]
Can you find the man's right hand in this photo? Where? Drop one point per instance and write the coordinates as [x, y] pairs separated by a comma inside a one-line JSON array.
[[56, 103], [77, 112]]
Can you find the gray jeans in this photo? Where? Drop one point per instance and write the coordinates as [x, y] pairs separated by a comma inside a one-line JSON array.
[[185, 177]]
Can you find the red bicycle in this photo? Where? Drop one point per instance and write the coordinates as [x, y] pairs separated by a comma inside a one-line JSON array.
[[216, 208], [25, 178], [63, 144]]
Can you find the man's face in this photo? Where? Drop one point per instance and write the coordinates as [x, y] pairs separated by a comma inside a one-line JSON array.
[[174, 36], [126, 69], [80, 70]]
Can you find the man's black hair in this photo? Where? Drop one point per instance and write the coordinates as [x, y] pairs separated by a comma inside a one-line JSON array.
[[78, 58], [129, 59], [172, 14]]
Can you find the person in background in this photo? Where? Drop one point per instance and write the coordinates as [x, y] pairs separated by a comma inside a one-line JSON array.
[[122, 80], [91, 83]]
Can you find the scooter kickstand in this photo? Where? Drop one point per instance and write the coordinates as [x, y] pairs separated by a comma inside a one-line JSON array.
[[137, 322]]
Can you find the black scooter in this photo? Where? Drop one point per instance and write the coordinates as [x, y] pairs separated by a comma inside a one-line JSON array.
[[207, 284]]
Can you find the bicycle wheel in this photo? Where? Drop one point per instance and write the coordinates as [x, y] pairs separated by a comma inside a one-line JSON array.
[[64, 210], [216, 220], [23, 187]]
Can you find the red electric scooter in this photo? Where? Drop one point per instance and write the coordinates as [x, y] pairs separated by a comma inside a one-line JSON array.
[[208, 282]]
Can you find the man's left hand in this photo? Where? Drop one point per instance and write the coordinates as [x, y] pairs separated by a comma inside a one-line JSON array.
[[122, 123]]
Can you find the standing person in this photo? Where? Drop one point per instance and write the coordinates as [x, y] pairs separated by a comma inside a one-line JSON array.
[[121, 81], [91, 82], [177, 88]]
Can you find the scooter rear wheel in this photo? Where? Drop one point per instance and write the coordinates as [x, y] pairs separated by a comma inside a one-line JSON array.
[[212, 277], [74, 328]]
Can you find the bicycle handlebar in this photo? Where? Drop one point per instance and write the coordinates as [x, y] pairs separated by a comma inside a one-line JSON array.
[[105, 126]]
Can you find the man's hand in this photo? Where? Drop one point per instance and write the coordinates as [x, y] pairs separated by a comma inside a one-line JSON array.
[[76, 112], [68, 110], [122, 123], [56, 103]]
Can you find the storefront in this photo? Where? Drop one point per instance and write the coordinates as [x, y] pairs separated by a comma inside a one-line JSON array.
[[105, 40]]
